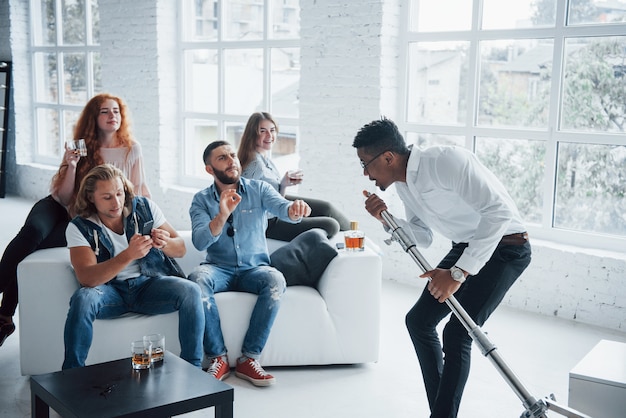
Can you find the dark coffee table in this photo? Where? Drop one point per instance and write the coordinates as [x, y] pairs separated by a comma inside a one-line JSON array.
[[114, 389]]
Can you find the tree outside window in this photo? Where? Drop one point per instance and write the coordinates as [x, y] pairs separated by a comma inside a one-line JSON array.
[[545, 113]]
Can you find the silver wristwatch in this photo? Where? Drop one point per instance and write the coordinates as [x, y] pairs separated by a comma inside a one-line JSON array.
[[457, 274]]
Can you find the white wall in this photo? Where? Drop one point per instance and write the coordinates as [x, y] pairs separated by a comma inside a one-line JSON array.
[[349, 77]]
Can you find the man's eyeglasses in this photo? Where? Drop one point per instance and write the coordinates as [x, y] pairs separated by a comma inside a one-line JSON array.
[[231, 230], [365, 164]]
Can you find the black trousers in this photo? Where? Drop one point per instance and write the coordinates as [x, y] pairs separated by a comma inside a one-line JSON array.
[[480, 295], [323, 215], [44, 228]]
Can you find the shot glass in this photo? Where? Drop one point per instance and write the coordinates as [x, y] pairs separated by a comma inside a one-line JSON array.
[[77, 145], [296, 174], [141, 352], [158, 346]]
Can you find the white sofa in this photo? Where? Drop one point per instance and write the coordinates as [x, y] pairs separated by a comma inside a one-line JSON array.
[[337, 323]]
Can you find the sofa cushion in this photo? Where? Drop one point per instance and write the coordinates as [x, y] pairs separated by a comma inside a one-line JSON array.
[[303, 260]]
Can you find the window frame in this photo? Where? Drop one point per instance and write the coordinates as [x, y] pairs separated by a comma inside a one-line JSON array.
[[89, 48], [552, 136], [221, 117]]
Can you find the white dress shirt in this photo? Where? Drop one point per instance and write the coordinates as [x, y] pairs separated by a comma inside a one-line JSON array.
[[449, 191]]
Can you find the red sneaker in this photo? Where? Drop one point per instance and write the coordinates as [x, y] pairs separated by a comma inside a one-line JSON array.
[[251, 370], [219, 368]]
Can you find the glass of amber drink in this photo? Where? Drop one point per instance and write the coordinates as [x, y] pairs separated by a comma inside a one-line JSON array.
[[158, 346], [141, 351]]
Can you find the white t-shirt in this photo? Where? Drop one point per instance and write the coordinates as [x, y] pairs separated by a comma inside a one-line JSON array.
[[75, 238]]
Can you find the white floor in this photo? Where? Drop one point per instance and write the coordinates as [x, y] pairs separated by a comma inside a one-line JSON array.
[[540, 350]]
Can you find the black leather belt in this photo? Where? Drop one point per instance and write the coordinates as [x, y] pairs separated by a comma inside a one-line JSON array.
[[520, 238]]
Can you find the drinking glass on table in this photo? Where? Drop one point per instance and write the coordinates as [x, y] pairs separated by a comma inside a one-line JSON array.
[[158, 346], [141, 352]]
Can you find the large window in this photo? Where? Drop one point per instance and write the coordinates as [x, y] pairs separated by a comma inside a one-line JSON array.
[[238, 57], [537, 88], [66, 67]]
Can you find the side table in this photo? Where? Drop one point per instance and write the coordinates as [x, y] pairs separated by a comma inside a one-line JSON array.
[[597, 384], [114, 389]]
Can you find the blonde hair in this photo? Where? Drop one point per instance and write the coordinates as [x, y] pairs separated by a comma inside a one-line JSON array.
[[84, 205]]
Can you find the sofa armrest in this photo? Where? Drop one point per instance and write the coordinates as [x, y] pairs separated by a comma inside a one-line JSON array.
[[47, 282], [351, 289]]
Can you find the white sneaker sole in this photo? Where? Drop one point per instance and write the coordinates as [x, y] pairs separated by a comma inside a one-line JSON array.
[[256, 382]]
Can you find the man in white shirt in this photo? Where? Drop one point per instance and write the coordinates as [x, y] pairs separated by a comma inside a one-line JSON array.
[[446, 189]]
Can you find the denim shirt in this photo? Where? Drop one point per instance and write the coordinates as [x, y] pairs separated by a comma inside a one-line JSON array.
[[153, 264], [247, 247]]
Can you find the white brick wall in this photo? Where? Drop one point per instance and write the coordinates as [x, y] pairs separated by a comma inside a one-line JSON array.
[[349, 77]]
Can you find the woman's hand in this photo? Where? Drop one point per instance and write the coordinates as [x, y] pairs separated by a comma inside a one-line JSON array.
[[71, 156], [291, 178]]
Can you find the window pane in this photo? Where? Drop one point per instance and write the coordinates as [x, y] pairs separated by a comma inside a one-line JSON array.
[[515, 83], [285, 84], [48, 132], [201, 20], [201, 72], [285, 19], [73, 22], [591, 189], [198, 134], [69, 122], [596, 11], [46, 77], [423, 140], [437, 82], [97, 72], [46, 33], [498, 14], [519, 165], [243, 81], [437, 15], [234, 130], [95, 22], [243, 20], [286, 142], [75, 78], [594, 85]]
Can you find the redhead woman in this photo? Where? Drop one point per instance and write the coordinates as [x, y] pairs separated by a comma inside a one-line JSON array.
[[104, 124]]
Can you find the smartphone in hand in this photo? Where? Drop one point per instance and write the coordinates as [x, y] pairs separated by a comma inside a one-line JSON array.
[[147, 227]]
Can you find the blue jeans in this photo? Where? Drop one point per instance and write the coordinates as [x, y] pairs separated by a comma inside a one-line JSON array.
[[479, 296], [264, 281], [145, 295]]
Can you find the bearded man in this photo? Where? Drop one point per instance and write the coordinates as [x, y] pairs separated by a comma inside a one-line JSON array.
[[228, 220]]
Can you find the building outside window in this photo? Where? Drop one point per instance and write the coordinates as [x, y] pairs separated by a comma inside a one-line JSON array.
[[237, 57], [66, 69], [537, 88]]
